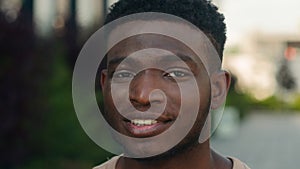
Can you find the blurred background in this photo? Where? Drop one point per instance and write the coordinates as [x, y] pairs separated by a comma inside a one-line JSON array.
[[39, 44]]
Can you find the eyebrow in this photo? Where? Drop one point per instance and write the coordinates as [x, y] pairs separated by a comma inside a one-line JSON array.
[[185, 58], [182, 57], [118, 60]]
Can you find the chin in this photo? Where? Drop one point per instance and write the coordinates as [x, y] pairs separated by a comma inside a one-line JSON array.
[[145, 149], [152, 150]]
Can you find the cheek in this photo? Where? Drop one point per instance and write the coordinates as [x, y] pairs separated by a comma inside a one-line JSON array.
[[201, 100], [173, 94], [115, 98], [110, 112], [173, 91]]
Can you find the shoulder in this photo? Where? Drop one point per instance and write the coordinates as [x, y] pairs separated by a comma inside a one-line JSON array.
[[237, 164], [110, 164]]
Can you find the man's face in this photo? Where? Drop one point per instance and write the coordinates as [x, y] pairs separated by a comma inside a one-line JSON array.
[[157, 110]]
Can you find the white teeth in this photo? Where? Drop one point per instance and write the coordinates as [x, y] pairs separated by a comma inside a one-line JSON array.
[[139, 122]]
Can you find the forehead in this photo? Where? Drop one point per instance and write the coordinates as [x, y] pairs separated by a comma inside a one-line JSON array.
[[172, 36], [161, 27], [146, 41], [153, 50]]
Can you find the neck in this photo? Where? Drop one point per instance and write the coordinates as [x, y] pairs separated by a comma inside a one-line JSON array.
[[198, 156]]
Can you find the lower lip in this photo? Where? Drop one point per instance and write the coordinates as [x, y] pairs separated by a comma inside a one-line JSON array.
[[147, 130]]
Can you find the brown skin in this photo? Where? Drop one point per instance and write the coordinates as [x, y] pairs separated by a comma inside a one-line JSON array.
[[189, 153]]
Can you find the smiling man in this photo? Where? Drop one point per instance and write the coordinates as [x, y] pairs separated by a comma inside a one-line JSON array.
[[159, 90]]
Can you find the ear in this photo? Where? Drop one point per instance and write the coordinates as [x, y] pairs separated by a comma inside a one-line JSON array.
[[103, 78], [220, 85]]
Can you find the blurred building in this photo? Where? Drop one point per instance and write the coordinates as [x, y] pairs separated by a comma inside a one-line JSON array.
[[52, 14], [257, 60]]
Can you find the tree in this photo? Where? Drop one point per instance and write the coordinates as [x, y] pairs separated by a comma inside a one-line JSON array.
[[72, 35], [17, 89]]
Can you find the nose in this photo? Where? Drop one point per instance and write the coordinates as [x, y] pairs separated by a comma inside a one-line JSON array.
[[143, 89]]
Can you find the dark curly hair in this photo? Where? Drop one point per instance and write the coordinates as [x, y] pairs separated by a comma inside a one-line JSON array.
[[201, 13]]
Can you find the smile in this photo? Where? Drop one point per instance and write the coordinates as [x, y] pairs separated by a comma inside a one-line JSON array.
[[140, 122], [142, 128]]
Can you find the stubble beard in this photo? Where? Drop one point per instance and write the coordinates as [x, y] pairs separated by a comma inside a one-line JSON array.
[[188, 143]]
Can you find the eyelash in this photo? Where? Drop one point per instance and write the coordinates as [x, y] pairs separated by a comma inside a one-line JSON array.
[[171, 73], [182, 73], [122, 72]]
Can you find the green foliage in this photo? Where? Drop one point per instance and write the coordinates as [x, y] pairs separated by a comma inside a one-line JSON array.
[[295, 105], [271, 103], [61, 142], [243, 102], [246, 104]]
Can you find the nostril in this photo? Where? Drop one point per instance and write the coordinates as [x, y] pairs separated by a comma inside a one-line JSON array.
[[140, 105], [156, 100]]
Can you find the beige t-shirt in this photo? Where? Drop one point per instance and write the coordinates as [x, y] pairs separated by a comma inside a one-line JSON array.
[[111, 164]]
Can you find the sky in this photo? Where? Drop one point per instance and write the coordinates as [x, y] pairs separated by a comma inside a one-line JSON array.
[[269, 16]]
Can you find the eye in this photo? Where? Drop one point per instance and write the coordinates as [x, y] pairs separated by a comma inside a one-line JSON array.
[[123, 74], [177, 73]]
